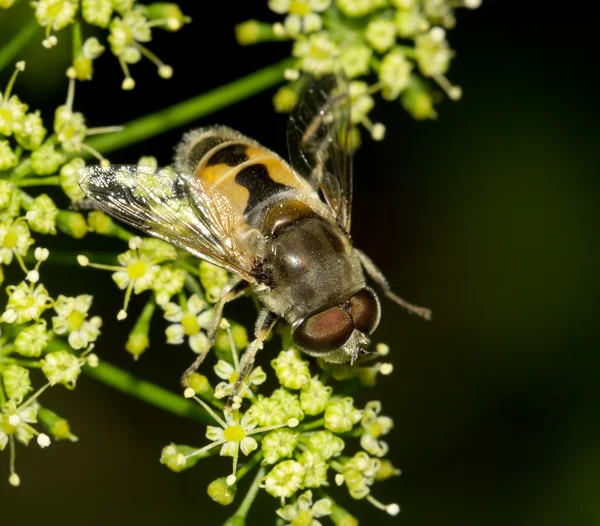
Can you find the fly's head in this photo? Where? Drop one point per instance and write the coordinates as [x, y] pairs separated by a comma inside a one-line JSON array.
[[339, 334]]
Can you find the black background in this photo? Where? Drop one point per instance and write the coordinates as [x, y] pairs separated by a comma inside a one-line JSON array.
[[488, 215]]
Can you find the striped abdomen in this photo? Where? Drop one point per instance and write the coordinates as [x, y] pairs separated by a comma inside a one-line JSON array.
[[236, 167]]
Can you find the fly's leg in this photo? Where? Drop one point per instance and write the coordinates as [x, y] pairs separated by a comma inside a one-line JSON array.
[[379, 278], [233, 293], [263, 329]]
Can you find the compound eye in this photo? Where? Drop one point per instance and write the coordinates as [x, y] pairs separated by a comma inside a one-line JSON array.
[[365, 311], [324, 332]]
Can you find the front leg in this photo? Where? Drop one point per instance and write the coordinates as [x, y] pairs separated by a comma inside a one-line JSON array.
[[262, 332], [379, 278], [233, 293]]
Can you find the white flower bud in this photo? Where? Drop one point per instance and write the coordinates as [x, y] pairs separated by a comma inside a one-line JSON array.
[[43, 440], [165, 72], [33, 276], [128, 84], [386, 369], [41, 254]]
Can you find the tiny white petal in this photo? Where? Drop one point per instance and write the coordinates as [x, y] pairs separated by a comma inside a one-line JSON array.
[[14, 420], [231, 480], [339, 479], [248, 445], [135, 242]]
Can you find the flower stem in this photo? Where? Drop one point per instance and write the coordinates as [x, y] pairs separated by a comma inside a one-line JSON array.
[[191, 109], [338, 515], [10, 50], [147, 392], [242, 512], [248, 466], [39, 181]]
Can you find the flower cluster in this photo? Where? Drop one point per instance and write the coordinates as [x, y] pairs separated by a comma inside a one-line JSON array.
[[38, 330], [155, 267], [302, 437], [128, 22], [400, 44], [27, 342]]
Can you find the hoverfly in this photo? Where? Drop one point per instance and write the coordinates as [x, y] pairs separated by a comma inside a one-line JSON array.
[[282, 230]]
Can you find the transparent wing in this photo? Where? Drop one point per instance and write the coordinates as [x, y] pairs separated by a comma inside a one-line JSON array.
[[318, 141], [174, 207]]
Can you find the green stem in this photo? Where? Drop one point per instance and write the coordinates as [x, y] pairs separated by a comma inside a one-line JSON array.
[[39, 181], [19, 41], [191, 109], [313, 425], [77, 39], [147, 392], [248, 466], [242, 512], [339, 515], [22, 363]]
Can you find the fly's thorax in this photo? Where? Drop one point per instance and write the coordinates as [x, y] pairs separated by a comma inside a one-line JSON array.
[[310, 260]]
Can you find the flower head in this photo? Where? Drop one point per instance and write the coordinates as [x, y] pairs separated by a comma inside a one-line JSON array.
[[61, 367], [341, 415], [188, 322], [233, 435], [291, 371], [32, 340], [139, 267], [284, 479], [72, 319], [304, 511], [15, 421], [230, 374], [317, 53], [14, 240], [302, 15], [375, 426], [42, 214], [26, 303]]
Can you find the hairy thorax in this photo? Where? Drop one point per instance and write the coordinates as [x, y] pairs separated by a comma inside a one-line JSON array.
[[312, 266]]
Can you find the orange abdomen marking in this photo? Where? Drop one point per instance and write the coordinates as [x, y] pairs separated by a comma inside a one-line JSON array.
[[240, 170]]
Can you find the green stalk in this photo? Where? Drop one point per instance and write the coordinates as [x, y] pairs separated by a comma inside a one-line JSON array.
[[339, 515], [240, 515], [147, 392], [9, 51], [191, 109], [52, 180]]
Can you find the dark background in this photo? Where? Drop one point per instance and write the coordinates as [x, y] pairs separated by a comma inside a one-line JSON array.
[[489, 216]]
